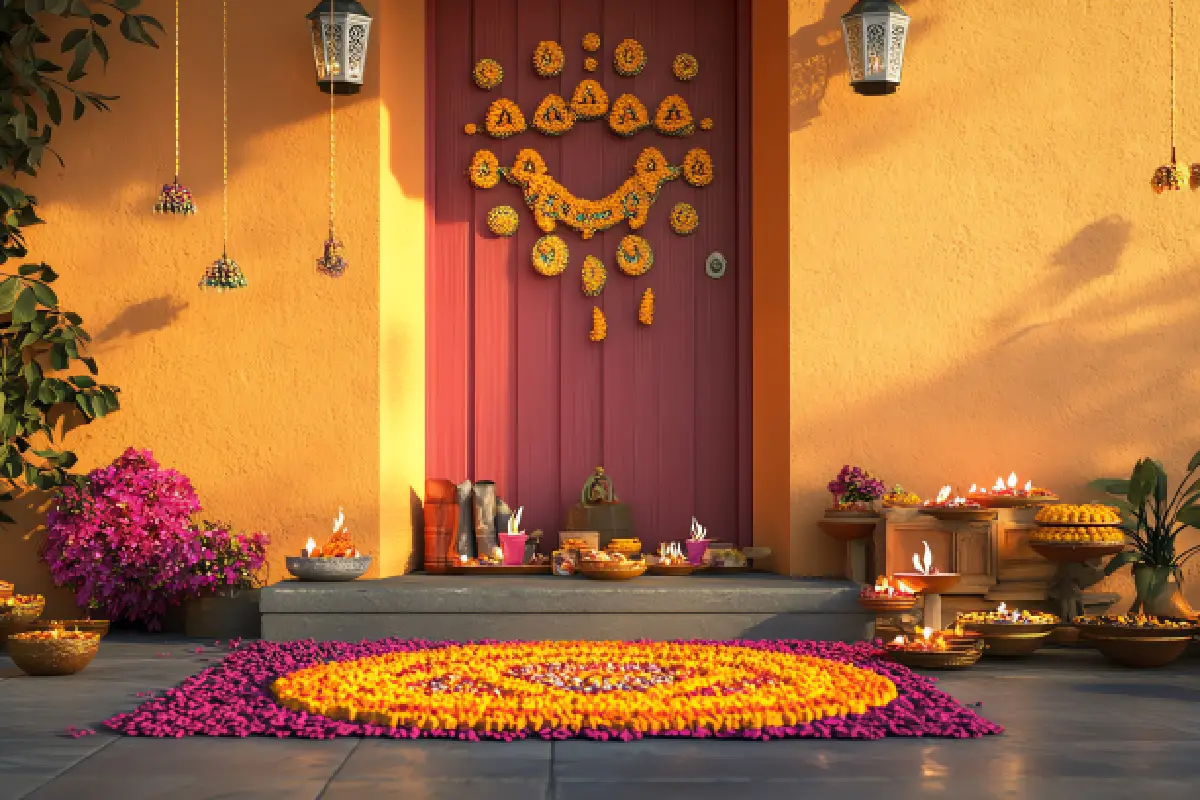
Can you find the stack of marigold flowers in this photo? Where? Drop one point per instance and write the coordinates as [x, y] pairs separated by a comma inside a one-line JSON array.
[[653, 688]]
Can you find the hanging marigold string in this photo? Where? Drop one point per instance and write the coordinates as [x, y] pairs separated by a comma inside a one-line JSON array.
[[332, 262], [1169, 177], [224, 273], [175, 198]]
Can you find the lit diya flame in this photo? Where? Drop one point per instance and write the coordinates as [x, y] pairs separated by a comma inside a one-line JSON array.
[[1012, 481], [943, 494], [310, 547], [928, 565], [1028, 487], [999, 485], [340, 521], [973, 490]]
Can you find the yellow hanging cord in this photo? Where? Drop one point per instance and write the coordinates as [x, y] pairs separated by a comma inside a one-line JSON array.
[[1172, 81], [224, 127], [176, 91], [331, 51]]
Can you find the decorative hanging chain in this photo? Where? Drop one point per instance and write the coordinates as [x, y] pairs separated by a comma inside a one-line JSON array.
[[174, 197], [332, 263], [1172, 81], [1169, 177], [177, 91], [332, 130], [224, 127]]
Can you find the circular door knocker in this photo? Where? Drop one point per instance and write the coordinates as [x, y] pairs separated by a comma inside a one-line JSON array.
[[715, 265]]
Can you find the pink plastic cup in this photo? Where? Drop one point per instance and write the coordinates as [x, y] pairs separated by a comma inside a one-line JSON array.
[[513, 545]]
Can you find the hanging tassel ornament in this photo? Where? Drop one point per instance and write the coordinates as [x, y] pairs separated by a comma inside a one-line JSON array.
[[175, 198], [332, 262], [224, 273], [1169, 177]]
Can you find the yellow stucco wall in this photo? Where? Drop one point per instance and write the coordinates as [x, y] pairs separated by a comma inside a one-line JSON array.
[[296, 395], [982, 278]]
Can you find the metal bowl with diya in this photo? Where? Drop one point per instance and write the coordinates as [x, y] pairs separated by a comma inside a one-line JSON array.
[[1009, 633]]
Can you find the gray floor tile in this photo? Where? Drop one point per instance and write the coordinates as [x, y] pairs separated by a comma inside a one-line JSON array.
[[26, 764]]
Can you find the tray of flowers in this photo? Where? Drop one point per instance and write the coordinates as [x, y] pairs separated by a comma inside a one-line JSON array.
[[603, 566], [934, 650], [670, 561], [486, 565], [887, 595], [337, 560], [1138, 640], [1008, 632], [899, 498], [53, 652]]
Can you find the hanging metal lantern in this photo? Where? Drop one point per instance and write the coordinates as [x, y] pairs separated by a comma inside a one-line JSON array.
[[876, 32], [340, 31]]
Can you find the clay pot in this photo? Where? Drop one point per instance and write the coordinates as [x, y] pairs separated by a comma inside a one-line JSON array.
[[441, 524], [1160, 594]]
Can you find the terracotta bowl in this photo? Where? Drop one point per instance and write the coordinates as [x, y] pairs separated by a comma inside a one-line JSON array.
[[848, 527], [939, 583], [672, 569], [1138, 647]]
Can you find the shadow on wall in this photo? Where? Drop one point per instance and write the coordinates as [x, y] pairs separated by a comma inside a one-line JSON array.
[[1086, 363], [145, 317], [816, 55]]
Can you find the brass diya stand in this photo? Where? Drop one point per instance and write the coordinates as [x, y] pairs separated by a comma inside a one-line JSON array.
[[1080, 566], [931, 588], [889, 621]]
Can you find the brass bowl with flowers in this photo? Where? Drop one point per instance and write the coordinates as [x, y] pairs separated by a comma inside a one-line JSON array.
[[899, 498], [45, 653], [97, 626], [18, 613], [604, 566], [1088, 514], [888, 595], [938, 651], [1137, 640], [1004, 633]]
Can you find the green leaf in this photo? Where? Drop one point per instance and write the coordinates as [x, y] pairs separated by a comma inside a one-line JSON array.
[[83, 51], [73, 38], [8, 293], [58, 356], [1189, 516], [101, 48], [128, 5], [90, 363], [45, 295], [25, 309], [83, 381], [1120, 560], [79, 108], [85, 405]]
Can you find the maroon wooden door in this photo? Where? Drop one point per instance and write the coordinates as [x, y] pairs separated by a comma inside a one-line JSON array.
[[516, 391]]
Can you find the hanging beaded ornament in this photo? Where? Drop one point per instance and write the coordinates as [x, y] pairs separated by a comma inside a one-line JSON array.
[[1169, 177], [331, 262], [223, 274], [175, 198]]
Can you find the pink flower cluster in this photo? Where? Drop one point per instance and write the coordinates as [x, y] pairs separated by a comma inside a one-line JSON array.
[[232, 699], [123, 540], [856, 485]]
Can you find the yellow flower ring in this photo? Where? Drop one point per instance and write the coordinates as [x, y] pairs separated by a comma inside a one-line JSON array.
[[685, 66], [550, 256], [594, 275], [488, 73], [503, 220], [649, 688], [589, 100], [634, 256], [629, 58], [628, 116], [549, 59], [591, 42], [698, 167], [553, 117], [484, 171], [684, 219]]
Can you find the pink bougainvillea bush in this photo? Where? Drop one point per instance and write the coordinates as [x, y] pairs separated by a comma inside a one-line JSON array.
[[229, 559], [233, 698], [123, 539]]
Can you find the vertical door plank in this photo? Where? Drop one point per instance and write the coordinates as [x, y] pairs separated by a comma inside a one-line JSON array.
[[494, 36], [586, 174], [716, 323], [448, 427], [743, 276], [538, 325]]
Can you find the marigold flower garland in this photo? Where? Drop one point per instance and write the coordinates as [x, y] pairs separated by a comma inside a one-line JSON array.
[[629, 58], [599, 330], [646, 308], [685, 66], [549, 59], [550, 254], [684, 219], [698, 167], [553, 117], [628, 116], [634, 256], [595, 276], [227, 698], [484, 171], [673, 117], [488, 73], [503, 220], [589, 100]]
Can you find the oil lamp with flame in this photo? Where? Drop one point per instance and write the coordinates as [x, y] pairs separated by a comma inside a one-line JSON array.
[[1005, 493]]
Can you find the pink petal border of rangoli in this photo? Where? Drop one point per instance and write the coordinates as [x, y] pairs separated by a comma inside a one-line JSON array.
[[231, 699]]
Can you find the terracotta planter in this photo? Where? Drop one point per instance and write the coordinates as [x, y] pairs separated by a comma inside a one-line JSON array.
[[229, 614], [1160, 595], [441, 523], [438, 490]]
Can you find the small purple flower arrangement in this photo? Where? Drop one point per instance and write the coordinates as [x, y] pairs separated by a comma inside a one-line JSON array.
[[855, 489]]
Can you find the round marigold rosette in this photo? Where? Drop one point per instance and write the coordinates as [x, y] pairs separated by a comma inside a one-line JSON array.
[[629, 58], [504, 119], [634, 256], [706, 124], [645, 688], [673, 117], [646, 308], [553, 116], [590, 64], [484, 171], [684, 219], [591, 42], [503, 220], [549, 59], [594, 275], [628, 116], [685, 66], [488, 73], [698, 167], [550, 256]]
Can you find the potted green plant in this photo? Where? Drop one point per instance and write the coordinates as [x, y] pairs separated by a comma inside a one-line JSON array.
[[229, 576], [1154, 518]]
